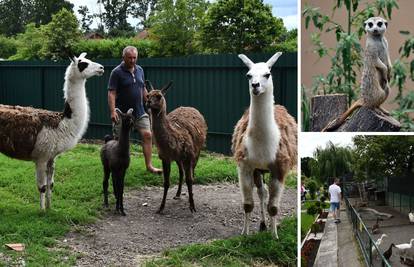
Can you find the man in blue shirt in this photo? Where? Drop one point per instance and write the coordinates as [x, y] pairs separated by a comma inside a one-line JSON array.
[[126, 89]]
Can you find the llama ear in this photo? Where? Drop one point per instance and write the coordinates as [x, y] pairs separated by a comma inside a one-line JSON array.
[[148, 85], [165, 88], [83, 55], [273, 59], [246, 60], [129, 112]]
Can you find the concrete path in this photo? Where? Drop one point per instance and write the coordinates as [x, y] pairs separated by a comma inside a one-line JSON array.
[[349, 253], [338, 246]]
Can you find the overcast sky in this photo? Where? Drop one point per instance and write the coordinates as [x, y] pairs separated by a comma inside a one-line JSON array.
[[285, 9], [310, 141]]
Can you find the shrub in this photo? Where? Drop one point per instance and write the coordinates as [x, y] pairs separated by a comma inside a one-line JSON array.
[[112, 48], [7, 47], [314, 209], [312, 187]]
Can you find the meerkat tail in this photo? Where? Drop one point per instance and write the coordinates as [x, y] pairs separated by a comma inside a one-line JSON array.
[[336, 123]]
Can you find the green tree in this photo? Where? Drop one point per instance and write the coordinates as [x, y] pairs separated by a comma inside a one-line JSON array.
[[13, 16], [43, 10], [16, 14], [86, 18], [377, 157], [305, 166], [240, 26], [403, 69], [7, 47], [115, 17], [61, 35], [142, 10], [30, 43], [332, 161], [174, 25]]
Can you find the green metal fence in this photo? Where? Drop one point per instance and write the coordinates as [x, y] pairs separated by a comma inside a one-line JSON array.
[[214, 84], [365, 239], [400, 194]]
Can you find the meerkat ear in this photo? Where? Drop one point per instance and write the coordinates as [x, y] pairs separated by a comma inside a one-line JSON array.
[[386, 24]]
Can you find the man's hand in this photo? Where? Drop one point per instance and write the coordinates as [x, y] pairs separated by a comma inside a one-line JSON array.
[[114, 117]]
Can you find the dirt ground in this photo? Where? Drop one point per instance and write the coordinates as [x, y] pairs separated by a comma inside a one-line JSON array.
[[126, 240], [398, 230]]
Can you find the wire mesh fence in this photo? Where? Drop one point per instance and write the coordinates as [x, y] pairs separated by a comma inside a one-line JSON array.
[[372, 254]]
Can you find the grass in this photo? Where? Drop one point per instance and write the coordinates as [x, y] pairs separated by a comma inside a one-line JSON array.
[[254, 250], [306, 222], [307, 204], [77, 199]]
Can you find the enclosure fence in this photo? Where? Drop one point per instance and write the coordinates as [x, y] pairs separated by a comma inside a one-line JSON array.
[[400, 194], [364, 238], [214, 84]]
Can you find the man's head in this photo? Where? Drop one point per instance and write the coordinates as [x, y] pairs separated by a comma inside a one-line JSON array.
[[336, 181], [130, 56]]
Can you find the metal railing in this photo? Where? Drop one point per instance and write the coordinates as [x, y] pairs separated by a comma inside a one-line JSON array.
[[372, 254]]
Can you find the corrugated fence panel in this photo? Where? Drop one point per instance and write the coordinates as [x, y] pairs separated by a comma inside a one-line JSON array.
[[214, 84]]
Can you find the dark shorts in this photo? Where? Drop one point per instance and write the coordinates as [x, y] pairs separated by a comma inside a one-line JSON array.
[[334, 206]]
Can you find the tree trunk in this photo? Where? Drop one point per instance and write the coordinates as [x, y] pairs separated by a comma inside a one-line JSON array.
[[325, 108], [329, 107]]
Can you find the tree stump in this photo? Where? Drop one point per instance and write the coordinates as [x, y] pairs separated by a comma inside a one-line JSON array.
[[329, 107], [325, 108]]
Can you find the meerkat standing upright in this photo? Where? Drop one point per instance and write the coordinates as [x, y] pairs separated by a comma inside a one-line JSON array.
[[376, 73]]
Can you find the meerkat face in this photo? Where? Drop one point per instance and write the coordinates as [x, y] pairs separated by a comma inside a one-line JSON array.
[[375, 26]]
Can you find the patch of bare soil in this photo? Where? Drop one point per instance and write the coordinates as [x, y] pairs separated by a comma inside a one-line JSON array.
[[124, 240]]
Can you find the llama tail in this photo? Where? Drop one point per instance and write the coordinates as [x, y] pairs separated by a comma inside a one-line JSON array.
[[108, 138]]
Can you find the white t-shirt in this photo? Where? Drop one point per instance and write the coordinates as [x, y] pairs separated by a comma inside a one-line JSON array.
[[335, 192]]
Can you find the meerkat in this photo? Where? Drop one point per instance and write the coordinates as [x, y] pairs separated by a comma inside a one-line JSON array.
[[376, 72]]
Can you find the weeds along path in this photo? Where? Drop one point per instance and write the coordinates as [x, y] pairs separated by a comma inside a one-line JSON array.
[[122, 241]]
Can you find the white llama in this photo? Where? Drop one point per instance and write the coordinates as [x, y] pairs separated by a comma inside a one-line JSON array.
[[40, 135], [264, 139]]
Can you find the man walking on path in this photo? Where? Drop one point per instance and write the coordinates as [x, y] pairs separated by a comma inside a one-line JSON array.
[[127, 90], [335, 195]]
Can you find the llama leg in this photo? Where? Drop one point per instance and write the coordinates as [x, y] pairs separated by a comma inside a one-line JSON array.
[[262, 192], [121, 191], [188, 168], [276, 186], [181, 172], [105, 184], [246, 188], [115, 188], [49, 173], [166, 167], [41, 182]]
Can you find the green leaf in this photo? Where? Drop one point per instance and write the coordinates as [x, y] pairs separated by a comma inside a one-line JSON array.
[[405, 32], [307, 20], [354, 5], [348, 4]]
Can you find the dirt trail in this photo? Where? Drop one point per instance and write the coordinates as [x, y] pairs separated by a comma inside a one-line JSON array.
[[122, 241]]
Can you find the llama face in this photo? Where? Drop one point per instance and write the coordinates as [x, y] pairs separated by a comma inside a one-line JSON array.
[[260, 79], [259, 76], [86, 68], [375, 26], [127, 119], [156, 100]]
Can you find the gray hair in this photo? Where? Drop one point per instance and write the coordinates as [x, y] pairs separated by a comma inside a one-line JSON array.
[[129, 48]]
